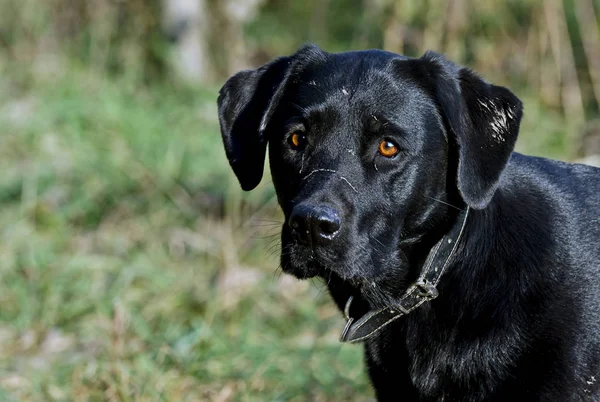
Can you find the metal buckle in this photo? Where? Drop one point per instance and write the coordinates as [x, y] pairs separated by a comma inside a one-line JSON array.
[[426, 289]]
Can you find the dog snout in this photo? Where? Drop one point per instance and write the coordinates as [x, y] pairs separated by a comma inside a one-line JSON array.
[[314, 224]]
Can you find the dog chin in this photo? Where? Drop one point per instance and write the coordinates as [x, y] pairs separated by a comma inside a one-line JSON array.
[[301, 273], [299, 270]]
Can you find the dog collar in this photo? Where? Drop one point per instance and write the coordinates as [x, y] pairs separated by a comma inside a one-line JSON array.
[[424, 289]]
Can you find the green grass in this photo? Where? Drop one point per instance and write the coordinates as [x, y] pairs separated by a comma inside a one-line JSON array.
[[133, 269]]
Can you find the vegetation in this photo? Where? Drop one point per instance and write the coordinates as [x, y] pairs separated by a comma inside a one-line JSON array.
[[125, 277], [133, 268]]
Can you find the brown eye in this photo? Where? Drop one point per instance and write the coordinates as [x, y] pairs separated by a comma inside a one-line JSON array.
[[297, 140], [388, 149]]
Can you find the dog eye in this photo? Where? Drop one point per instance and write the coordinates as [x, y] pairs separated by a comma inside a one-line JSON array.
[[297, 141], [388, 149]]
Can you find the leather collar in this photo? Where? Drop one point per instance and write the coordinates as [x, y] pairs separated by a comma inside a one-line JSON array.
[[424, 289]]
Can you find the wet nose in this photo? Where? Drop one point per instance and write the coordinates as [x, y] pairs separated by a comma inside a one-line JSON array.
[[314, 224]]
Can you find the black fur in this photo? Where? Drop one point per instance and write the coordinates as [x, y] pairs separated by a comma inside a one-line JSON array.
[[518, 314]]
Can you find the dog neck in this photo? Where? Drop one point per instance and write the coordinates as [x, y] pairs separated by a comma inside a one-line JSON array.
[[423, 290]]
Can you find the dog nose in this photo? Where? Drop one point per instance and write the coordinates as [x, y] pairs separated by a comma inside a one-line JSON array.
[[314, 224]]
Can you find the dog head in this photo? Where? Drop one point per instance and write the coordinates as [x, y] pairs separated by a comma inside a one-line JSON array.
[[371, 153]]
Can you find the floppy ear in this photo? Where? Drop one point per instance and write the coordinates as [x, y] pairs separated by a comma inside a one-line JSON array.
[[485, 120], [246, 103]]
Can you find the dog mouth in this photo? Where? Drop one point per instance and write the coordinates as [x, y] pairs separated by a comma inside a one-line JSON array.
[[305, 263]]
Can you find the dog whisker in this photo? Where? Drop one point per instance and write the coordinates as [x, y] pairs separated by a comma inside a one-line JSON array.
[[443, 202], [273, 250], [267, 220], [268, 225], [270, 236], [299, 108], [274, 247]]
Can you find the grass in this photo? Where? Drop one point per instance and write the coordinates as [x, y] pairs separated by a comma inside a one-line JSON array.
[[133, 269]]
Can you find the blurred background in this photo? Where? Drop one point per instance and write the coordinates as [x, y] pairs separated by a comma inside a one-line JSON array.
[[132, 267]]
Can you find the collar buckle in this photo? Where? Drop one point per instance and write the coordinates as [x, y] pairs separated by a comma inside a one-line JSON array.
[[426, 289]]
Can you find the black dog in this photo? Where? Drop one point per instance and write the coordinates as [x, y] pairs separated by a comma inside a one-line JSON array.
[[400, 188]]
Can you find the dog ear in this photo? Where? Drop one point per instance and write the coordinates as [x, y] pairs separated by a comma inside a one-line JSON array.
[[484, 119], [246, 103]]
